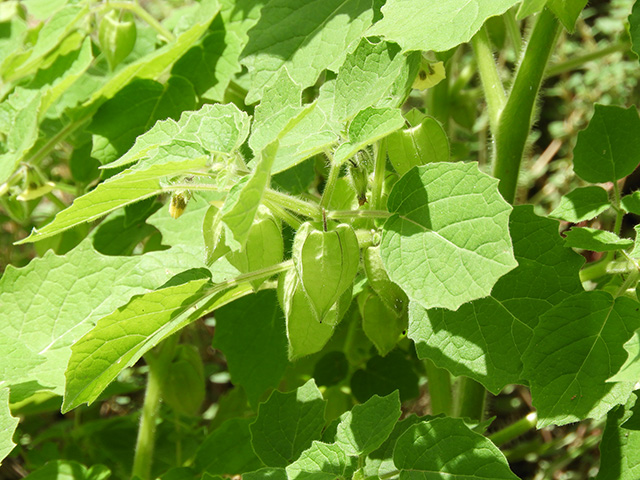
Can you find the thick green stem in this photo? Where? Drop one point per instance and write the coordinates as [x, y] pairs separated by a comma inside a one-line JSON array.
[[378, 175], [439, 382], [470, 399], [516, 118], [158, 363], [514, 430], [492, 85]]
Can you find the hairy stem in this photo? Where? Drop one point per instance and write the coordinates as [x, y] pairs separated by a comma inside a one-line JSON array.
[[514, 430], [296, 205], [491, 83], [580, 61], [516, 118], [330, 185], [378, 175]]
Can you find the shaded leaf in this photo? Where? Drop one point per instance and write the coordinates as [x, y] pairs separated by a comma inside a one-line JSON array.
[[227, 450], [446, 448], [576, 347], [8, 424], [287, 423], [485, 339], [609, 148], [582, 204], [251, 334]]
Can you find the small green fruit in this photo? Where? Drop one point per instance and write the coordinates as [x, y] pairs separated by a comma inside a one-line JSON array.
[[183, 386], [117, 36], [326, 263], [390, 293]]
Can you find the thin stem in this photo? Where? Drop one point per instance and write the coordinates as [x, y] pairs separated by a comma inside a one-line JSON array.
[[513, 30], [294, 204], [439, 382], [514, 430], [491, 83], [53, 141], [580, 61], [145, 443], [378, 175], [330, 185], [471, 398], [145, 16], [347, 214], [516, 118]]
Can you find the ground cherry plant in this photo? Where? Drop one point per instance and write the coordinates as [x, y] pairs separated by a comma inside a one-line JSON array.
[[285, 239]]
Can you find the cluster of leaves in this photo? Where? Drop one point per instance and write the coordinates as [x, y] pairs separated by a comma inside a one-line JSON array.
[[323, 230]]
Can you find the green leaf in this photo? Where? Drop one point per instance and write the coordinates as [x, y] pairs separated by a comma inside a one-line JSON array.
[[8, 424], [319, 462], [227, 450], [119, 340], [254, 321], [61, 24], [485, 339], [634, 28], [368, 126], [418, 145], [280, 103], [583, 203], [630, 371], [295, 180], [383, 326], [305, 334], [367, 426], [448, 241], [595, 240], [313, 134], [133, 110], [384, 375], [619, 446], [55, 80], [447, 448], [263, 249], [449, 23], [609, 148], [366, 77], [244, 198], [19, 115], [331, 369], [120, 190], [332, 256], [576, 347], [306, 39], [529, 7], [55, 300], [390, 293], [380, 461], [69, 470], [152, 65], [567, 11], [297, 418], [631, 203], [216, 128]]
